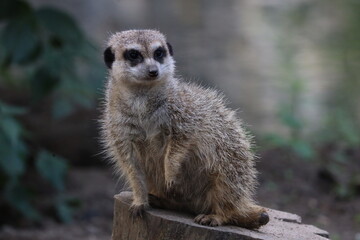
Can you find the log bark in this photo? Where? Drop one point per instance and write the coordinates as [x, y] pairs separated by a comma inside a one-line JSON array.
[[159, 224]]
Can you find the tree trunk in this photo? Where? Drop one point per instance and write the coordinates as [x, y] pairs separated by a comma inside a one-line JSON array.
[[158, 224]]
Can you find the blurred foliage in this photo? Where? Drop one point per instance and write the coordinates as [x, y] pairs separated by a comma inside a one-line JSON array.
[[45, 55], [343, 46], [13, 153], [289, 108], [336, 143]]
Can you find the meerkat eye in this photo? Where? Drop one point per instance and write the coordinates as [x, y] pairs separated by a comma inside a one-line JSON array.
[[134, 56], [159, 54]]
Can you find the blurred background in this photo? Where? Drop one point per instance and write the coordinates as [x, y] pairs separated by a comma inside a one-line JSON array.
[[291, 68]]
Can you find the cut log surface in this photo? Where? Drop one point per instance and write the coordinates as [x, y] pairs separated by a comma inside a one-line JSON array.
[[158, 224]]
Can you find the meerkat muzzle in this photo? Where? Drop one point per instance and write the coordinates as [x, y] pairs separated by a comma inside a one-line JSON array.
[[153, 71]]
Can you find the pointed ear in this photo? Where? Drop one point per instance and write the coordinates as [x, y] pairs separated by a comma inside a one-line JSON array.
[[170, 49], [109, 57]]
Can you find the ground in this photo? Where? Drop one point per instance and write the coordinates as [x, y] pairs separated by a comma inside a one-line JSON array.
[[296, 190]]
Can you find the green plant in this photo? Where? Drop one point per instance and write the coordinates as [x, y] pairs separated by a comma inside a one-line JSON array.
[[289, 108], [50, 55], [342, 51], [46, 56], [343, 48], [13, 153], [338, 137]]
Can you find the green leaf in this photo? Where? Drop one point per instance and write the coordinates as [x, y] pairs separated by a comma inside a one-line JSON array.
[[3, 60], [43, 83], [61, 26], [347, 129], [56, 61], [344, 127], [62, 108], [11, 129], [18, 197], [64, 211], [78, 93], [343, 191], [289, 119], [65, 207], [12, 157], [52, 168], [11, 163], [84, 100], [6, 109], [340, 156], [20, 40], [275, 140], [13, 8], [357, 218], [73, 202], [303, 149]]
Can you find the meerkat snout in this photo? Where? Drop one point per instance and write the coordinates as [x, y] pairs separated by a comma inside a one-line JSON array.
[[153, 71]]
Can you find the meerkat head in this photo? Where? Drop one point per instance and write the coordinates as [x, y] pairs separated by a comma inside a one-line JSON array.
[[139, 57]]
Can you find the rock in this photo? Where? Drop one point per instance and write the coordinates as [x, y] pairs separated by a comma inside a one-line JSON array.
[[159, 224]]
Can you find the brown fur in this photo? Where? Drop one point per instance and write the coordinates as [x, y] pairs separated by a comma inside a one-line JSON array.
[[177, 141]]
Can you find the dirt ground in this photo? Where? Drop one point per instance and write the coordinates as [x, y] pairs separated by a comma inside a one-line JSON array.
[[300, 190], [296, 190]]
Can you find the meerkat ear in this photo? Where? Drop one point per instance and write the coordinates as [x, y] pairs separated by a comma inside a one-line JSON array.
[[109, 57], [170, 49]]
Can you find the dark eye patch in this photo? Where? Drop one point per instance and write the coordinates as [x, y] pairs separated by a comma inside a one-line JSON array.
[[160, 54], [109, 57], [133, 56], [170, 49]]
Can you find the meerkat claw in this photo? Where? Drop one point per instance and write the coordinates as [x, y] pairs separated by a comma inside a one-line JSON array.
[[207, 220], [170, 184], [137, 211], [174, 192]]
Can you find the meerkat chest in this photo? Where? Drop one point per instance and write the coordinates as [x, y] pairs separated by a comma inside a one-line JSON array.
[[151, 140], [138, 106], [150, 118]]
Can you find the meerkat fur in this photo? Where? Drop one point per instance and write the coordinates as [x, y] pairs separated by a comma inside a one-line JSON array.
[[177, 144]]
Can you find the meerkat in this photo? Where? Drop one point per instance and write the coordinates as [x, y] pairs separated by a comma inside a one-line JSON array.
[[177, 144]]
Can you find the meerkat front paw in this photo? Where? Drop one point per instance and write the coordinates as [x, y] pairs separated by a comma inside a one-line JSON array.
[[137, 210], [173, 190], [169, 182]]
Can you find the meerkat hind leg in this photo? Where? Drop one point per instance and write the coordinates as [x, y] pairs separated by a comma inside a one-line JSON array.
[[239, 211], [253, 218], [215, 215], [250, 221], [212, 220]]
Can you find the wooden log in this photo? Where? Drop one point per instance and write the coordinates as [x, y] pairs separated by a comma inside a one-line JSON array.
[[159, 224]]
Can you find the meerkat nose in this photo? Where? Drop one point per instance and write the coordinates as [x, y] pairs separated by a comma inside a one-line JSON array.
[[153, 71]]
